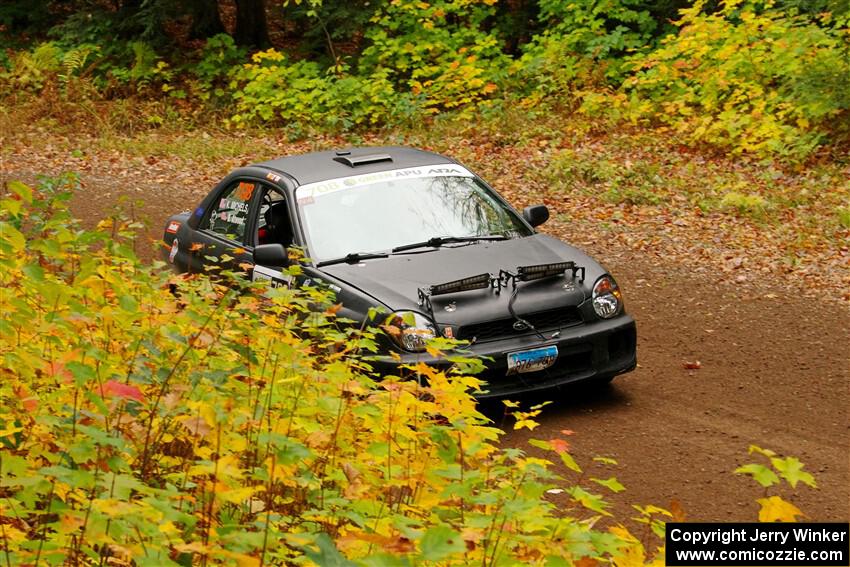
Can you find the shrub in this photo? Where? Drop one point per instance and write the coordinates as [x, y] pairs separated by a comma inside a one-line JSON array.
[[584, 43], [220, 59], [32, 70], [274, 89], [747, 204], [440, 52], [148, 419], [747, 77]]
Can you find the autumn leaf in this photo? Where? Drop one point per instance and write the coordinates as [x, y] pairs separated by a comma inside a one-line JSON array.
[[333, 309], [791, 469], [611, 484], [121, 390], [196, 425], [760, 473], [29, 401], [775, 509], [529, 424], [677, 511]]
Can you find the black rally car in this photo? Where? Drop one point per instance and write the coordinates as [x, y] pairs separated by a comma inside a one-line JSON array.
[[422, 237]]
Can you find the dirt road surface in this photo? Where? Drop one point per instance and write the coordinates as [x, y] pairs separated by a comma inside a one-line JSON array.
[[775, 372]]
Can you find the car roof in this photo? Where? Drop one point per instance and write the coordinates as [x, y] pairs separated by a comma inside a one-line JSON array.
[[321, 166]]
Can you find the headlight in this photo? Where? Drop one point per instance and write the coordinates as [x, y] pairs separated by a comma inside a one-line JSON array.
[[607, 299], [410, 330]]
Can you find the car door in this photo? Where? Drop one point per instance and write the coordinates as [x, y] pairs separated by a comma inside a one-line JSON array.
[[273, 225], [223, 232]]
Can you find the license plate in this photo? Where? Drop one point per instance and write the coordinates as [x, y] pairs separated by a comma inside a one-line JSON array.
[[532, 360]]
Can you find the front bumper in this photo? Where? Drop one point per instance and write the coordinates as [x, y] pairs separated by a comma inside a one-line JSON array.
[[591, 351]]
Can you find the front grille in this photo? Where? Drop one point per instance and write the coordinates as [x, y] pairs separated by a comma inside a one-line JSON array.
[[501, 328]]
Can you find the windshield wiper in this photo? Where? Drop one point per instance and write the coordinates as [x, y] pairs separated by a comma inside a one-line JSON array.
[[438, 241], [352, 258]]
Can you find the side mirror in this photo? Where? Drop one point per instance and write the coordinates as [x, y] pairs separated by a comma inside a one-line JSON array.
[[271, 256], [536, 214]]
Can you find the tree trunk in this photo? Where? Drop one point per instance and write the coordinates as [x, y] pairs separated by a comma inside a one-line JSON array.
[[206, 21], [251, 26]]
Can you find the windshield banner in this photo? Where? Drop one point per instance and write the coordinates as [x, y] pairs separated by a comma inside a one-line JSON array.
[[321, 188]]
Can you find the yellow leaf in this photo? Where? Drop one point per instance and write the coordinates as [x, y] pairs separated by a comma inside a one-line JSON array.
[[775, 509], [529, 423], [632, 554]]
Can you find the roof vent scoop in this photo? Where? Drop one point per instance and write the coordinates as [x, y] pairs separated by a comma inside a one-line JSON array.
[[353, 161]]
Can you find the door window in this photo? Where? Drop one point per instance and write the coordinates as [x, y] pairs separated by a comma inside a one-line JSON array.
[[229, 213], [273, 224]]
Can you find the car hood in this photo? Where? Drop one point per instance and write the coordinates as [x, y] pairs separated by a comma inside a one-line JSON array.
[[395, 281]]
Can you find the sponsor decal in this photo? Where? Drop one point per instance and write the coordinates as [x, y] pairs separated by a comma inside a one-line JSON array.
[[448, 332], [273, 177], [199, 212], [233, 205], [175, 246], [311, 190], [172, 227], [244, 191]]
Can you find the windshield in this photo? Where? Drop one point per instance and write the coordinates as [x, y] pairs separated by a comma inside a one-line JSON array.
[[378, 212]]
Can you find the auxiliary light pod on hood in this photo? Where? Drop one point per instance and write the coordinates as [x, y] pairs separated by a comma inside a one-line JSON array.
[[482, 281]]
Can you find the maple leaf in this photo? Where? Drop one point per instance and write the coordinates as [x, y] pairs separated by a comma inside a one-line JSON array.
[[791, 469], [760, 473], [611, 484], [775, 509], [196, 425], [29, 401], [559, 445], [333, 309], [121, 390], [529, 423]]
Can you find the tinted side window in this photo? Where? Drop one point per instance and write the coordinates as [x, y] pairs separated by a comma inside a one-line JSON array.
[[229, 213]]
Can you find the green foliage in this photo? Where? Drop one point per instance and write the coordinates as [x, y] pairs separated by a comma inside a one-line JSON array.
[[150, 419], [583, 43], [274, 89], [440, 52], [218, 63], [32, 70], [328, 29], [768, 78], [748, 77], [145, 70], [744, 204]]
